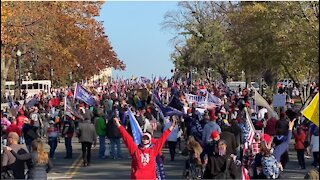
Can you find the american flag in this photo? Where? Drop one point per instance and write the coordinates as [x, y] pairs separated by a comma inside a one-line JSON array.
[[245, 174], [249, 132]]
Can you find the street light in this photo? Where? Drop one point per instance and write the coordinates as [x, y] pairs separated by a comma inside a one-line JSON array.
[[18, 79], [19, 53]]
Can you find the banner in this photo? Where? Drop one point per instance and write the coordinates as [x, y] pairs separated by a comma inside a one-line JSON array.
[[279, 100], [82, 94], [311, 112], [208, 102], [214, 99], [194, 98]]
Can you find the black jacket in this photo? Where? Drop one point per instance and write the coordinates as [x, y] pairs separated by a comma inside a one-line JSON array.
[[231, 142], [217, 165], [112, 131]]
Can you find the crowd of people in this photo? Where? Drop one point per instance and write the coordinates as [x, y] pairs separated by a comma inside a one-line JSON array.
[[214, 136]]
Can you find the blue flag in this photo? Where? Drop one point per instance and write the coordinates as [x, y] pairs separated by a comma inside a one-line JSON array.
[[165, 110], [11, 104], [123, 118], [82, 94], [196, 130], [136, 129], [31, 102]]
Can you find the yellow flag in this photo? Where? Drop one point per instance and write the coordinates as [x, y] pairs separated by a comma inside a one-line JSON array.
[[311, 112]]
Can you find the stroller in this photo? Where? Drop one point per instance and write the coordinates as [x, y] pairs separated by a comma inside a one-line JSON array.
[[192, 169]]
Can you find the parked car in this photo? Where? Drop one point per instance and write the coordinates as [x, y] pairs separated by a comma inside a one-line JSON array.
[[286, 82]]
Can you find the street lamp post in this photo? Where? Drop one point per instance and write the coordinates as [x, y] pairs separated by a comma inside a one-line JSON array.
[[18, 78]]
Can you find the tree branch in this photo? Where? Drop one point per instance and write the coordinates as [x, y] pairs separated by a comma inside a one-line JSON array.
[[28, 24]]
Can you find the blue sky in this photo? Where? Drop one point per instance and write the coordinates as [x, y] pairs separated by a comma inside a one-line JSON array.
[[134, 30]]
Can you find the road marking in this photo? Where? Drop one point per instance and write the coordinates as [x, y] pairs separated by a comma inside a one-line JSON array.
[[59, 177], [73, 166], [76, 168]]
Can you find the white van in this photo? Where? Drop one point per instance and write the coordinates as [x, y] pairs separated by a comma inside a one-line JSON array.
[[234, 85], [286, 82]]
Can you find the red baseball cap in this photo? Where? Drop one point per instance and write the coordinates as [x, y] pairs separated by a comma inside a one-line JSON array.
[[214, 134], [266, 138]]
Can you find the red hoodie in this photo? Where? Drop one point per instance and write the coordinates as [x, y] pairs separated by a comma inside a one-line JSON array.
[[153, 141], [20, 120], [143, 165], [14, 128]]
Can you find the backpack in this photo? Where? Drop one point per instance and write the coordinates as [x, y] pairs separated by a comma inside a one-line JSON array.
[[270, 167]]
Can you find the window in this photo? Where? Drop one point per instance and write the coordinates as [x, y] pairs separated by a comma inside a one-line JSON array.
[[35, 86], [23, 86], [40, 86], [29, 86]]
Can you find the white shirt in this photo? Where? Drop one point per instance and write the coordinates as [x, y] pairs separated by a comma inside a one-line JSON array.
[[174, 133], [314, 143], [261, 113]]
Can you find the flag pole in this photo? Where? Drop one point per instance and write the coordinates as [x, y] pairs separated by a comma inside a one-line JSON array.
[[75, 92], [65, 104]]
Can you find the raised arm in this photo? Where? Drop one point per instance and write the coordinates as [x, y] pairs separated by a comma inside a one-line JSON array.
[[22, 157], [132, 147], [281, 148]]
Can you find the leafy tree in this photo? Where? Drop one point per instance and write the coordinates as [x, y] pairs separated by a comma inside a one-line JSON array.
[[68, 40]]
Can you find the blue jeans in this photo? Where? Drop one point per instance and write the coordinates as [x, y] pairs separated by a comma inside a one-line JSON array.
[[115, 142], [28, 143], [102, 146], [53, 142], [68, 144]]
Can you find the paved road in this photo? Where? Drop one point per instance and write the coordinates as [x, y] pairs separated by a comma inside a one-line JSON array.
[[120, 169]]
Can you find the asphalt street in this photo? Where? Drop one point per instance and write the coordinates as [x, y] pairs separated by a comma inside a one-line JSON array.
[[120, 168]]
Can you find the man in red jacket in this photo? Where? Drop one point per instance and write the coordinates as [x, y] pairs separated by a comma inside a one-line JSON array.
[[143, 165]]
